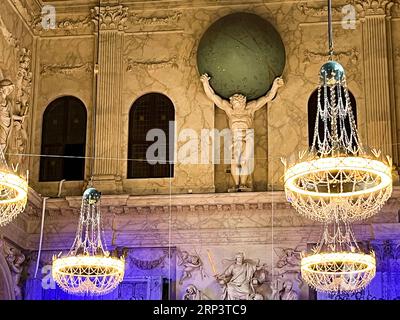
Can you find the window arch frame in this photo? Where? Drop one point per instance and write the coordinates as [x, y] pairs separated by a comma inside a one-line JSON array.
[[68, 102], [169, 169]]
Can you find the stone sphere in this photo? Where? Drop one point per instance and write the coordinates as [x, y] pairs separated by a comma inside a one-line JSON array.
[[91, 195], [242, 53]]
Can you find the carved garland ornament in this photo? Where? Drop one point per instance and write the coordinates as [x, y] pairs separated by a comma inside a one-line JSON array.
[[151, 64], [51, 69]]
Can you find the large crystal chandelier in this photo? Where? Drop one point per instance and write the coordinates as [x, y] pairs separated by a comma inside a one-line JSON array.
[[13, 192], [88, 268], [337, 264], [337, 178], [337, 181]]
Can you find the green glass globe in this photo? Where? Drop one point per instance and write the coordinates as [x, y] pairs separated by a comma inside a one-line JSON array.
[[242, 53], [91, 196]]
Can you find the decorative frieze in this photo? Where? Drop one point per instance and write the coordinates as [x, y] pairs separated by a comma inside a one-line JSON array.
[[66, 69], [66, 25], [312, 11], [349, 58], [353, 54], [155, 20], [154, 64]]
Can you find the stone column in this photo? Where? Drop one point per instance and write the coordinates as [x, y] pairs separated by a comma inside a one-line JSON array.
[[109, 96], [377, 53]]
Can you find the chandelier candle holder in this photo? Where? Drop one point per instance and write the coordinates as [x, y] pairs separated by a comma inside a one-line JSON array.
[[13, 192], [88, 268], [337, 264]]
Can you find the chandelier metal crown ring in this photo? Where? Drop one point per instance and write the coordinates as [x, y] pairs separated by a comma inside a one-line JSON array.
[[13, 192], [337, 264]]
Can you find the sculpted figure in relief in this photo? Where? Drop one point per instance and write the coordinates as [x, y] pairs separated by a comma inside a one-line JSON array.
[[285, 293], [240, 114], [6, 89], [15, 260], [192, 293], [190, 263], [237, 279]]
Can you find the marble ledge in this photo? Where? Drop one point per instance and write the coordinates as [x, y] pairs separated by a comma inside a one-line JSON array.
[[208, 237], [129, 204]]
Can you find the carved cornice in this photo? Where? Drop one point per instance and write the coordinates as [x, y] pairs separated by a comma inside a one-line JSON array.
[[132, 64], [374, 7], [65, 69], [312, 11], [111, 17], [155, 20]]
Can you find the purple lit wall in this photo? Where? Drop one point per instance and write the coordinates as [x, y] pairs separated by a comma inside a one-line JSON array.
[[149, 275], [386, 284]]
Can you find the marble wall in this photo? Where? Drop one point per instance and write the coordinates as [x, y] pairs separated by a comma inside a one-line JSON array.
[[186, 239], [157, 53], [16, 64]]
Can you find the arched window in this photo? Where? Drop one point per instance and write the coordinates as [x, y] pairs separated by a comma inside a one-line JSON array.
[[312, 114], [151, 111], [63, 134]]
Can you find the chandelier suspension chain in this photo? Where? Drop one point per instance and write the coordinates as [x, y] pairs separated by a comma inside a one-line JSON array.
[[96, 93], [330, 31]]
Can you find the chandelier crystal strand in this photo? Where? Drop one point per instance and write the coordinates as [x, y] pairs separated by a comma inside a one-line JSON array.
[[337, 264], [13, 192], [88, 267]]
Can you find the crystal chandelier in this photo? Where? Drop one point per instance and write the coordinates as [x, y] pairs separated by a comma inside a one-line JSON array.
[[337, 181], [337, 264], [13, 192], [88, 268], [337, 178]]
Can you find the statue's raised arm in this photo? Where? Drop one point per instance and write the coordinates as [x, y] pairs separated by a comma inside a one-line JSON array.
[[218, 101], [261, 102]]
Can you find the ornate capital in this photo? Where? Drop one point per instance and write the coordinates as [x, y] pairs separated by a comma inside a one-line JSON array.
[[111, 18], [374, 7]]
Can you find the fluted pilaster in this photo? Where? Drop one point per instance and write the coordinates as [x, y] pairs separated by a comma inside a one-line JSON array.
[[109, 96], [380, 117]]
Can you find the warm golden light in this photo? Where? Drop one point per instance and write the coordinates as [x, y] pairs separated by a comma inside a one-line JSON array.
[[84, 274], [338, 271], [350, 188], [13, 196], [88, 267]]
